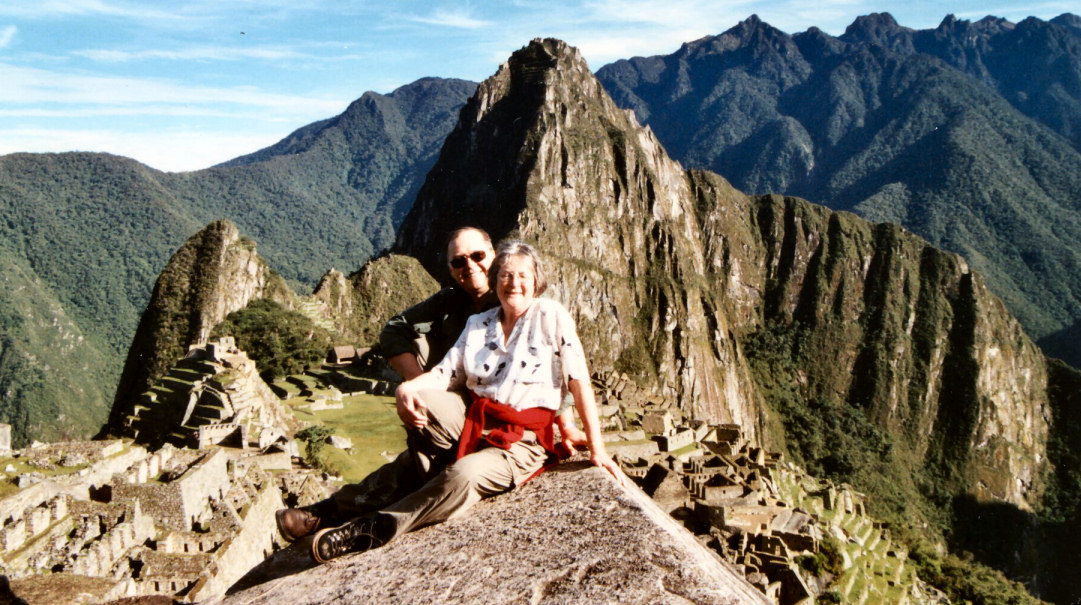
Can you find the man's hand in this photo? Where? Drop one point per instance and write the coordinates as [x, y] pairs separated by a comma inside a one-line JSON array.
[[411, 408]]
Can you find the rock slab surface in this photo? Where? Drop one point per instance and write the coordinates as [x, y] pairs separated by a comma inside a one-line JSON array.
[[571, 535]]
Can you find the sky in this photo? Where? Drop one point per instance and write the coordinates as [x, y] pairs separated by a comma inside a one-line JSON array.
[[184, 85]]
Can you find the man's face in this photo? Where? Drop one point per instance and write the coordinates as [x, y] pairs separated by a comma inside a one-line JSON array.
[[469, 257]]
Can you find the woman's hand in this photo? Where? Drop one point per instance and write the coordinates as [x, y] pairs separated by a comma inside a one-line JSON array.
[[411, 408], [569, 434], [603, 460], [573, 437]]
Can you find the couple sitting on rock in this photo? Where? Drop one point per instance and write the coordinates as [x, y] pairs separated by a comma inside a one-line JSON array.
[[480, 420]]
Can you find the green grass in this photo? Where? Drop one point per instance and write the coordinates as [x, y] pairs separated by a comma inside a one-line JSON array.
[[372, 424], [7, 485]]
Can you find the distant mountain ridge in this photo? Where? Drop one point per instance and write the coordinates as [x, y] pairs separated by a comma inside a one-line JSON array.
[[94, 230], [968, 134]]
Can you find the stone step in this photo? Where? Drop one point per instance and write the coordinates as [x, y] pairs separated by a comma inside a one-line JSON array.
[[198, 366], [863, 533], [186, 374], [205, 411], [315, 310], [849, 582], [177, 438], [873, 540]]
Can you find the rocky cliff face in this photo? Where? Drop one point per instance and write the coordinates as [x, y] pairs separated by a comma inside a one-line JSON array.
[[671, 273], [213, 274], [360, 304], [542, 152]]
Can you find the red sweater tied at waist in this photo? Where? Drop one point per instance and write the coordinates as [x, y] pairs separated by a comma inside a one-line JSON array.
[[511, 425]]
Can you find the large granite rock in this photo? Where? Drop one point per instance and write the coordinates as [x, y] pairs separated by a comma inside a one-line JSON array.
[[570, 536]]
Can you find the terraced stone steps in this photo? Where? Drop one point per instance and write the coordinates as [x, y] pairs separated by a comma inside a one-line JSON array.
[[315, 310]]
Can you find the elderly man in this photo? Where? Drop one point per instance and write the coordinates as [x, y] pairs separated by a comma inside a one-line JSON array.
[[412, 342], [416, 339]]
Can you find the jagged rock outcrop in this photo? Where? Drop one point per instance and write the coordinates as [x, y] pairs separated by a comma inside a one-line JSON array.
[[213, 274], [668, 273], [542, 151], [568, 536], [359, 305]]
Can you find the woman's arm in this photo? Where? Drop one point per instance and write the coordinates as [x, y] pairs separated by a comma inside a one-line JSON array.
[[587, 410], [569, 433]]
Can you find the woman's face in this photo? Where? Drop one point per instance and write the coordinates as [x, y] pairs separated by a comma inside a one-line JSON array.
[[516, 283]]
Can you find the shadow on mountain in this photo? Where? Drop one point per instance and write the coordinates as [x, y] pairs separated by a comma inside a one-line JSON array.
[[1037, 549], [1064, 345], [1039, 554]]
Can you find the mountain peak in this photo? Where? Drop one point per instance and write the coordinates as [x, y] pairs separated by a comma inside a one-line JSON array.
[[754, 26], [499, 127], [959, 28], [881, 29], [1068, 20]]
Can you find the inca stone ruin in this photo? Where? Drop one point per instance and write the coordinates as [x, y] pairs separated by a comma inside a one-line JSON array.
[[116, 518], [108, 519]]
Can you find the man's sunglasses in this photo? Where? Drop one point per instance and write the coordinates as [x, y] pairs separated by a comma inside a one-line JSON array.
[[459, 261]]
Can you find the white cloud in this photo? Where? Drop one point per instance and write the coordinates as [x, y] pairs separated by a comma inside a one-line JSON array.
[[200, 53], [35, 9], [7, 35], [459, 20], [169, 151], [27, 86]]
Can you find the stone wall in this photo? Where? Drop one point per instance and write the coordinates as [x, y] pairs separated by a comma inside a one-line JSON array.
[[247, 548]]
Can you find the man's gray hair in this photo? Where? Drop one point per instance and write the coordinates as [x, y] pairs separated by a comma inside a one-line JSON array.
[[516, 247]]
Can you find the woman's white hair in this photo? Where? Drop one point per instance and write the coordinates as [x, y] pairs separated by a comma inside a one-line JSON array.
[[516, 247]]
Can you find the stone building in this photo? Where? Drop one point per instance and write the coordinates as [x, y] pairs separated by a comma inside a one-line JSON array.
[[211, 396], [180, 522]]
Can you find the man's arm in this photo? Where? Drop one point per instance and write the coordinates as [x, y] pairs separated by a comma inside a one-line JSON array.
[[407, 365], [398, 339]]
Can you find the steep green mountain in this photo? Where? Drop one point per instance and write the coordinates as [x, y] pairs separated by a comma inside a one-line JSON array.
[[53, 381], [359, 305], [94, 230], [860, 349], [966, 134], [213, 274]]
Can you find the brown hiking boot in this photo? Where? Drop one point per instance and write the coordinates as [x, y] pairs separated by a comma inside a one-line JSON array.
[[359, 535], [295, 523]]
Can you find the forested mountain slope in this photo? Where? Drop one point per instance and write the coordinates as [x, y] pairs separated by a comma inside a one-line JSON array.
[[967, 134], [93, 231]]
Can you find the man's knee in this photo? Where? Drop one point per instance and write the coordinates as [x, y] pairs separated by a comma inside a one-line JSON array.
[[443, 403]]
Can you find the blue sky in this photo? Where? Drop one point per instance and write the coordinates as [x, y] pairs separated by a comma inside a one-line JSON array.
[[185, 85]]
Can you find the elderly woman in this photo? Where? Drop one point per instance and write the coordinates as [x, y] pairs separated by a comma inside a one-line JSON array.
[[515, 360]]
